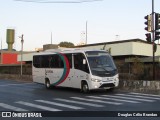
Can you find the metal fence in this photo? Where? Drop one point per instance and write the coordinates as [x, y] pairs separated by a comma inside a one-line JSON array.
[[125, 71]]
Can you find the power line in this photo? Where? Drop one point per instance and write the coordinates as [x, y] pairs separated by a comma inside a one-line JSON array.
[[58, 1]]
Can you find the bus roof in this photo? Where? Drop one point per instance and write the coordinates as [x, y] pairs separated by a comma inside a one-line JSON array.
[[67, 50]]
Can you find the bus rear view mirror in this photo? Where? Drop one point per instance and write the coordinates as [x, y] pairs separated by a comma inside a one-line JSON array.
[[84, 61]]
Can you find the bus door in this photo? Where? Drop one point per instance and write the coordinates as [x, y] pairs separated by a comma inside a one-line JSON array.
[[81, 69]]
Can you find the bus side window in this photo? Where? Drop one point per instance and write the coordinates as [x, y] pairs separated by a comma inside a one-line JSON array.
[[78, 62], [55, 61], [69, 57], [50, 59], [45, 63], [36, 61]]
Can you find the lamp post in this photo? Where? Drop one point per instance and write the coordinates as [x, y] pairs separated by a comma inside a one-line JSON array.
[[22, 41], [86, 31]]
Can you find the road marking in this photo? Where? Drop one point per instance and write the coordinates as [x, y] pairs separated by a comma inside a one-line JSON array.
[[14, 84], [59, 104], [131, 98], [145, 94], [104, 98], [138, 96], [6, 106], [37, 106], [99, 101], [78, 102]]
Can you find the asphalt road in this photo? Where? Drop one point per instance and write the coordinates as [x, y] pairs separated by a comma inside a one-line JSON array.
[[26, 98]]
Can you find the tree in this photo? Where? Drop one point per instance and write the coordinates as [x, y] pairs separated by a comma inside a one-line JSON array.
[[66, 44]]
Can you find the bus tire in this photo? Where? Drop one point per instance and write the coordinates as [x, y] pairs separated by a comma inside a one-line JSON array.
[[47, 84], [84, 87]]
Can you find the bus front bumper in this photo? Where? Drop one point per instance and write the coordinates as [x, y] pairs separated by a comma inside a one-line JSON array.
[[105, 83]]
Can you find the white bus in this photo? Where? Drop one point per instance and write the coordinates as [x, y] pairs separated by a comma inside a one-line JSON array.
[[83, 69]]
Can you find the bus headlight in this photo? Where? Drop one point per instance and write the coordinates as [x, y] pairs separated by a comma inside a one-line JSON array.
[[96, 80], [116, 79]]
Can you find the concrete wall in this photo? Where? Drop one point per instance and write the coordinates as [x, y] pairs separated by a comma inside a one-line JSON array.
[[9, 58], [50, 46], [142, 49], [15, 69], [128, 48], [23, 78], [26, 56], [140, 86], [116, 49]]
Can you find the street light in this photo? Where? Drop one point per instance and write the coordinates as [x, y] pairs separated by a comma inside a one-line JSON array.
[[22, 41], [86, 31]]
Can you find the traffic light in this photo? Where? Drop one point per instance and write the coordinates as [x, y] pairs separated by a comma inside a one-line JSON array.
[[148, 37], [157, 35], [148, 23], [157, 21]]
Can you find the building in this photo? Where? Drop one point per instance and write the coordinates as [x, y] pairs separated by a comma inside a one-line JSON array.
[[131, 47], [8, 57], [118, 49], [124, 53]]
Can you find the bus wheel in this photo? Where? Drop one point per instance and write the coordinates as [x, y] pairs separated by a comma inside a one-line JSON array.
[[84, 87], [47, 84]]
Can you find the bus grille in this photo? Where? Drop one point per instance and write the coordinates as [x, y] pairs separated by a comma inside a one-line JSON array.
[[107, 85]]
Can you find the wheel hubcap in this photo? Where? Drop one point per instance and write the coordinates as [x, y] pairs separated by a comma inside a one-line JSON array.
[[48, 85], [85, 88]]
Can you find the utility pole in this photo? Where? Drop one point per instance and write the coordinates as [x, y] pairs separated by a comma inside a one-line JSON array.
[[153, 39], [1, 44], [86, 31], [51, 37], [22, 41], [1, 53]]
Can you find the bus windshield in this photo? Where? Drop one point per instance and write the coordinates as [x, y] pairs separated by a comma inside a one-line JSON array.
[[101, 64]]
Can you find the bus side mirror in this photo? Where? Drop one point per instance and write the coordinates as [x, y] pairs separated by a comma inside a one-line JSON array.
[[84, 61]]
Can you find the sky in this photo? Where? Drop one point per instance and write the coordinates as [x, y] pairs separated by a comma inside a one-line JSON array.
[[107, 20]]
